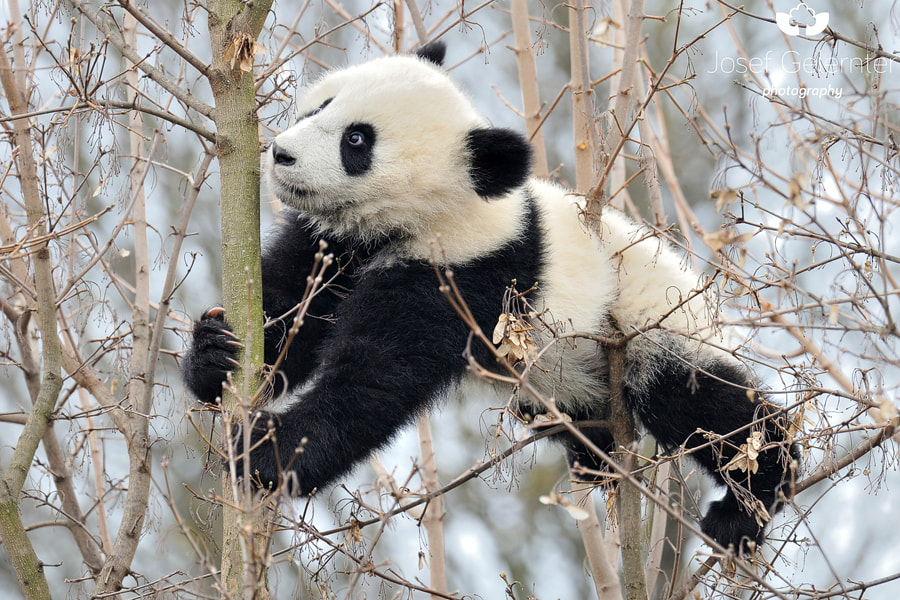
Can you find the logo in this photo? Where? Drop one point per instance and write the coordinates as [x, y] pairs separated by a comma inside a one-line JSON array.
[[802, 20]]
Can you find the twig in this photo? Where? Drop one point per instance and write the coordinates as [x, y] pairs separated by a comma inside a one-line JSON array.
[[29, 569], [418, 22], [628, 497], [140, 385], [625, 55], [108, 28], [167, 39], [604, 568], [528, 82], [433, 519], [879, 52], [696, 577], [584, 127]]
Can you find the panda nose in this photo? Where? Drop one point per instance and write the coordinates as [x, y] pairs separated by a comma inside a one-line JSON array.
[[282, 156]]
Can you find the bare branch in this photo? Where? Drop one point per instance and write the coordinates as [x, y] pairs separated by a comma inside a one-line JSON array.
[[109, 29], [28, 568]]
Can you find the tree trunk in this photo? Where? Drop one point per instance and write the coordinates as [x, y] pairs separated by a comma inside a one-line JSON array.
[[233, 28]]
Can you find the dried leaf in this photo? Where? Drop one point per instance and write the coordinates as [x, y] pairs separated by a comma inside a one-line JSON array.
[[514, 336], [795, 194], [868, 270], [723, 197], [745, 459], [242, 51], [550, 499], [548, 418], [354, 534], [604, 31], [75, 61], [611, 502], [500, 328], [576, 512], [795, 426], [885, 412], [717, 241], [760, 513], [833, 314]]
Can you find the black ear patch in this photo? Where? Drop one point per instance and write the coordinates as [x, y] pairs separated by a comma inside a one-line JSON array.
[[500, 160], [433, 52]]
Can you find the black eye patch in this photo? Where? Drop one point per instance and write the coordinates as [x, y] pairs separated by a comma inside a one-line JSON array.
[[357, 145], [316, 111]]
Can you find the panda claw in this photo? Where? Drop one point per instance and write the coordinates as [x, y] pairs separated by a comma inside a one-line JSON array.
[[233, 362], [216, 312]]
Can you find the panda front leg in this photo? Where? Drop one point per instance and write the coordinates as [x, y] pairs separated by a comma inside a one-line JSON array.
[[678, 401], [394, 348], [290, 254]]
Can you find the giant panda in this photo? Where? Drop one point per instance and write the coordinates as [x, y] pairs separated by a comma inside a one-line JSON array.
[[392, 166]]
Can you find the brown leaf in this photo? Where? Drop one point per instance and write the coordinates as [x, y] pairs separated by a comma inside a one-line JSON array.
[[795, 193], [717, 241], [745, 459], [514, 336], [241, 52], [723, 197]]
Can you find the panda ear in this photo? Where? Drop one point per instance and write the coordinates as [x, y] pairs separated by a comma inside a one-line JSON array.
[[433, 52], [500, 160]]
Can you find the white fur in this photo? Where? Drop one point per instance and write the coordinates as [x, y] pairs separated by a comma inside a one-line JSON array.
[[419, 176], [621, 271], [419, 186]]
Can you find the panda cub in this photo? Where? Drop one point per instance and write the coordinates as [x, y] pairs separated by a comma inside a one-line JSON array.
[[386, 158]]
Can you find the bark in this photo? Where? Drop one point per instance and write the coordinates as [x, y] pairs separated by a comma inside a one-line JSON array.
[[29, 569], [233, 28]]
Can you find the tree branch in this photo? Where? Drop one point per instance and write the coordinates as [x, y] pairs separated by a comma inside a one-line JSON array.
[[167, 39], [28, 567], [528, 82], [108, 28]]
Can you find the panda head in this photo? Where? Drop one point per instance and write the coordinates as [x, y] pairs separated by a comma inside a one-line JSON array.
[[387, 147]]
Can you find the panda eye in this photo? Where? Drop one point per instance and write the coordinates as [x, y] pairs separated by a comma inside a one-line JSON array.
[[356, 139], [357, 148]]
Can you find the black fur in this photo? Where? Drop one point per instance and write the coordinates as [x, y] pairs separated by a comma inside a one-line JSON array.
[[357, 145], [315, 111], [433, 52], [683, 399], [383, 345], [207, 364], [500, 160], [578, 455]]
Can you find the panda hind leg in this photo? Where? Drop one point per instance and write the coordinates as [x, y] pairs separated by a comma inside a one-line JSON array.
[[683, 401], [585, 464]]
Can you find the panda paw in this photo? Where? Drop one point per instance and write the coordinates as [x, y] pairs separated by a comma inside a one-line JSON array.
[[211, 357], [728, 523]]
